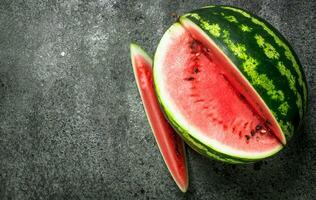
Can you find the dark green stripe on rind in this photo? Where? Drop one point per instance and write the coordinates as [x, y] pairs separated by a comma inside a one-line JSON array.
[[263, 56]]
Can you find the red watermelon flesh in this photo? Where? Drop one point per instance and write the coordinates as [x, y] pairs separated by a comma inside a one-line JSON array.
[[170, 144], [206, 90]]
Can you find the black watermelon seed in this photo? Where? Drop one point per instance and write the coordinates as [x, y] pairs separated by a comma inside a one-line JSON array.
[[196, 69], [195, 46], [247, 137], [189, 79], [252, 132], [258, 127]]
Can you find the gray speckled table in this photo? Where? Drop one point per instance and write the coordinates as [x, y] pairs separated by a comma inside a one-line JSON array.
[[72, 125]]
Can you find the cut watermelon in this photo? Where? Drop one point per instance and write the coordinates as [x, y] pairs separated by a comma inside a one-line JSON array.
[[208, 101], [170, 144], [230, 84]]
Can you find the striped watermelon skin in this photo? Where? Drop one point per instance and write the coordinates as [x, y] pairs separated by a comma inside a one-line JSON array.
[[263, 56]]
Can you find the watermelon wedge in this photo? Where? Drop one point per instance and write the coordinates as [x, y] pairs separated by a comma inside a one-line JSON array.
[[170, 144]]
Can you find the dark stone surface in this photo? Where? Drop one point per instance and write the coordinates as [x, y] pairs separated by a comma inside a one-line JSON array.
[[72, 124]]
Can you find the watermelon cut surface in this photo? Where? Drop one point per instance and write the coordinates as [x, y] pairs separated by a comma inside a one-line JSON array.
[[170, 144], [207, 98]]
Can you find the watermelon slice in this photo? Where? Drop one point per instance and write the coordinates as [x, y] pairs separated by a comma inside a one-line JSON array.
[[170, 144]]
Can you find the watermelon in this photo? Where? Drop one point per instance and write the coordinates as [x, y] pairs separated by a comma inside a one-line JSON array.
[[170, 144], [230, 84]]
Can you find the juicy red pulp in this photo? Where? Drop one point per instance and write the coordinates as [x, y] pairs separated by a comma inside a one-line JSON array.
[[206, 91], [201, 55]]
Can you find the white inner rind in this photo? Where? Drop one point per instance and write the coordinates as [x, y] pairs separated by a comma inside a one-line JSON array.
[[175, 31], [136, 50]]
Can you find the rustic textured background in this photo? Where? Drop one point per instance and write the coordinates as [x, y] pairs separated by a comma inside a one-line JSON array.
[[72, 125]]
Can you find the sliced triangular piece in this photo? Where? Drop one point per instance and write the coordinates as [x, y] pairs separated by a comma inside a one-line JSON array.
[[170, 144]]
